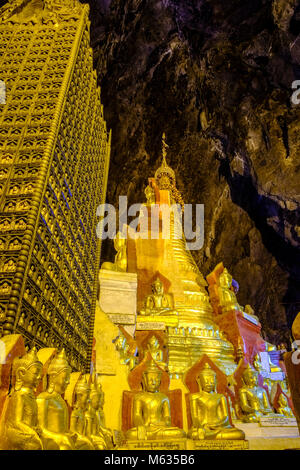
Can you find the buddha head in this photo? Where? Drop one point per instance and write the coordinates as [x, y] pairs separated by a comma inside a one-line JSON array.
[[225, 279], [207, 379], [157, 287], [153, 342], [250, 376], [27, 371], [59, 373], [82, 391], [152, 378]]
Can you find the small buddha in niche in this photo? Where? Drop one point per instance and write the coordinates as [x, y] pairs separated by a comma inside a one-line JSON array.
[[155, 351], [52, 409], [158, 303], [209, 411], [253, 399], [120, 264], [283, 407], [19, 428], [78, 420], [93, 428], [227, 297], [151, 412]]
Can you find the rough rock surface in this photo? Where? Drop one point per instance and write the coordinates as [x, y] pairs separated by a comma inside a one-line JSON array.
[[216, 76]]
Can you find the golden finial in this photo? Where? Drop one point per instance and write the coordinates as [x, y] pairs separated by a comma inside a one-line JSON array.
[[164, 169]]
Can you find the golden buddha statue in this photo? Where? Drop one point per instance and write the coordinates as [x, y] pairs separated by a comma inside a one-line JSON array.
[[283, 407], [107, 433], [158, 303], [52, 409], [151, 413], [155, 351], [227, 297], [19, 427], [273, 367], [120, 264], [253, 399], [78, 420], [209, 411], [93, 428]]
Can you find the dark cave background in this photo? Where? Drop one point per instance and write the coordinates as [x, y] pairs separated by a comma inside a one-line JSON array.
[[216, 77]]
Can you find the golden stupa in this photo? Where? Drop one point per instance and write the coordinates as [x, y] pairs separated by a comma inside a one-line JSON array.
[[194, 332]]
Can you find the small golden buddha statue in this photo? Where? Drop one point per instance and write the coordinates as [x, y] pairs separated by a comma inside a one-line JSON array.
[[151, 413], [257, 364], [253, 399], [52, 409], [150, 195], [283, 407], [123, 347], [273, 367], [120, 264], [19, 427], [227, 297], [108, 434], [78, 420], [209, 411], [158, 303], [93, 428], [155, 351]]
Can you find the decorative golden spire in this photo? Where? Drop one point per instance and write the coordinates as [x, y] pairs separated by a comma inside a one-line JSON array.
[[164, 169]]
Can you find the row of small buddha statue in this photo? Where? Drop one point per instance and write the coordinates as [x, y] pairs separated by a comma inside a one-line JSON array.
[[43, 422]]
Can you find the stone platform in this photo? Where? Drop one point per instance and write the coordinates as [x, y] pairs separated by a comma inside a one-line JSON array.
[[270, 437]]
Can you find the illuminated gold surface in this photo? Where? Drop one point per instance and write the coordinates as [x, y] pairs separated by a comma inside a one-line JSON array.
[[209, 411], [78, 422], [53, 411], [19, 428], [151, 414], [253, 399], [54, 149]]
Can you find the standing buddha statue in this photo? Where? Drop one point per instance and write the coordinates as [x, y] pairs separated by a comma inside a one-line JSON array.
[[52, 409], [19, 427], [94, 430], [151, 413], [209, 411], [78, 420]]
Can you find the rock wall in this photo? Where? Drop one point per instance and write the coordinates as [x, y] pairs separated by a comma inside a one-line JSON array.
[[216, 77]]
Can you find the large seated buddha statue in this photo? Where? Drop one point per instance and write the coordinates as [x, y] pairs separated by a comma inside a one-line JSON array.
[[19, 427], [158, 303], [253, 399], [209, 411], [151, 413], [53, 411]]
